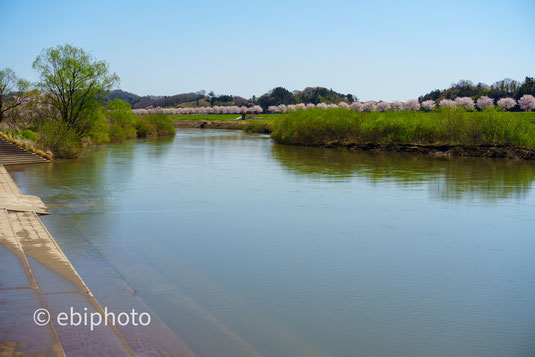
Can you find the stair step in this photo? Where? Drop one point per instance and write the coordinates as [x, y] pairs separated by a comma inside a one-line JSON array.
[[12, 154]]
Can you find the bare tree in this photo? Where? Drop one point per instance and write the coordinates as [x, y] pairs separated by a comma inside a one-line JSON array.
[[12, 91]]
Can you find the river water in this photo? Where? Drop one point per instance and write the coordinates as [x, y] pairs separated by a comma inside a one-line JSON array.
[[245, 247]]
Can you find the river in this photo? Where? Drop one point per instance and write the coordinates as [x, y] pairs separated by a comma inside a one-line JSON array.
[[245, 247]]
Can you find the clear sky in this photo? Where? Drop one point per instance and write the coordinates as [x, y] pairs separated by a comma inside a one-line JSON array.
[[374, 49]]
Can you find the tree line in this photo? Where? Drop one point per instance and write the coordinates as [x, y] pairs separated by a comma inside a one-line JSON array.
[[66, 109], [506, 88]]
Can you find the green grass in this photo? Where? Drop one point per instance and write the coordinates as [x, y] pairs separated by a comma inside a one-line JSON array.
[[341, 127]]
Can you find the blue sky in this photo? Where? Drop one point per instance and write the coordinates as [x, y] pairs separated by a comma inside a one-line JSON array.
[[374, 49]]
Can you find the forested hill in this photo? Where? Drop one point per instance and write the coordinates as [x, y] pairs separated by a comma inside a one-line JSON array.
[[275, 96], [155, 101], [500, 89]]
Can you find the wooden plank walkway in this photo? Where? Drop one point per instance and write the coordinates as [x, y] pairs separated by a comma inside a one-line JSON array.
[[36, 274]]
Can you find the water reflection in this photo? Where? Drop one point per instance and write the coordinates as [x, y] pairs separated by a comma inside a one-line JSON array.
[[90, 184], [446, 178], [236, 242]]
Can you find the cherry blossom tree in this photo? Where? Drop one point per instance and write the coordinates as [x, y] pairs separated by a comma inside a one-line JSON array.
[[447, 103], [465, 102], [412, 105], [397, 105], [485, 102], [273, 109], [383, 106], [369, 106], [428, 105], [140, 111], [527, 102], [507, 103], [356, 106], [343, 105]]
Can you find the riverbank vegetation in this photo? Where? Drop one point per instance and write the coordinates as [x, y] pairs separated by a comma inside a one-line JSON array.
[[445, 126], [66, 111], [73, 105]]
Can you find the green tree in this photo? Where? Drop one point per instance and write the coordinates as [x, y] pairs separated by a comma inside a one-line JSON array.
[[12, 91], [71, 81]]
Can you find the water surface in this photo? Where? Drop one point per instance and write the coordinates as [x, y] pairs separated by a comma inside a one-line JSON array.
[[244, 247]]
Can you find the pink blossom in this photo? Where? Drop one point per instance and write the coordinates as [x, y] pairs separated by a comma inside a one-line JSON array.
[[274, 108], [411, 105], [140, 111], [343, 105], [369, 106], [507, 103], [428, 105], [356, 106], [397, 105], [311, 105], [383, 106], [527, 102], [465, 102], [485, 102], [448, 103]]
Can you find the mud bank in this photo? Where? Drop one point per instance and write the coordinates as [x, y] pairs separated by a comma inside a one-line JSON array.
[[519, 153]]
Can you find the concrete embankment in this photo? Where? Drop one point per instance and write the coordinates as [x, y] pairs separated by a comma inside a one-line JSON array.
[[12, 154], [35, 274]]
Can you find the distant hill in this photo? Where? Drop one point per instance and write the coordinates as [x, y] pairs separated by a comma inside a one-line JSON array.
[[124, 96], [275, 96], [314, 95], [137, 101], [317, 95]]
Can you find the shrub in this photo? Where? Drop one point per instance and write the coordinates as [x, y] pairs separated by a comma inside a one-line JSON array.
[[154, 125], [29, 135], [60, 138], [257, 127], [145, 127], [121, 121], [164, 125]]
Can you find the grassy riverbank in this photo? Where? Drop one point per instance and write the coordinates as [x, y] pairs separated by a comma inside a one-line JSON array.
[[450, 128]]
